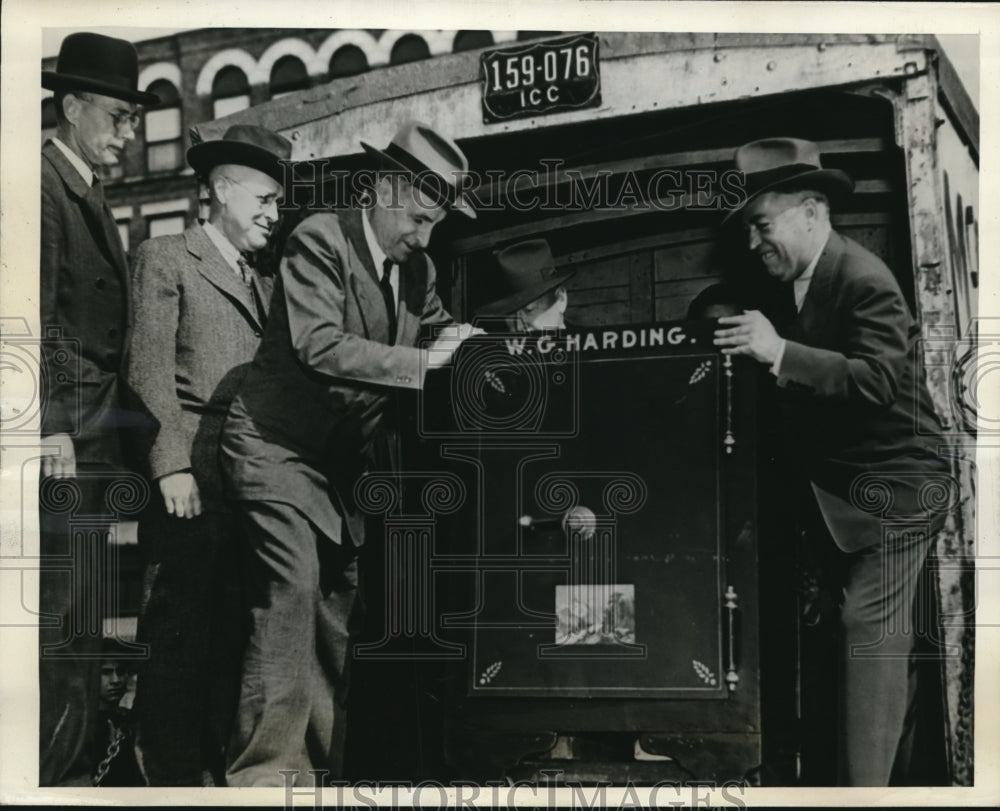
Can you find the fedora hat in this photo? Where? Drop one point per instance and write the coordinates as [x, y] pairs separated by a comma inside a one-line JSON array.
[[98, 64], [435, 163], [782, 164], [527, 272], [247, 145]]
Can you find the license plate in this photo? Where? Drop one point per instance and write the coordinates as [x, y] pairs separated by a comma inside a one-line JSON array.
[[541, 77]]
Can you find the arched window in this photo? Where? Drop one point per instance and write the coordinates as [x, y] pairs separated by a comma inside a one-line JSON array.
[[230, 91], [49, 121], [409, 48], [472, 40], [163, 129], [348, 60], [288, 75]]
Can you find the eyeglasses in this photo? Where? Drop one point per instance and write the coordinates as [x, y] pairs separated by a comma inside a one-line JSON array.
[[120, 118], [263, 200]]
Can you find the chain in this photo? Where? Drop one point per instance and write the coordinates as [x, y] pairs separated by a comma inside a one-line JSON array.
[[116, 744]]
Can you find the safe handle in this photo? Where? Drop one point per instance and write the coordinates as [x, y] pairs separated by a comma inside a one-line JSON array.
[[732, 677]]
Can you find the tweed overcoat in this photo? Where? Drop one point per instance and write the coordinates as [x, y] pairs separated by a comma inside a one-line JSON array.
[[301, 429]]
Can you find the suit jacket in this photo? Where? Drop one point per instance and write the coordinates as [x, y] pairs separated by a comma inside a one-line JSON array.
[[197, 329], [304, 424], [853, 396], [85, 313]]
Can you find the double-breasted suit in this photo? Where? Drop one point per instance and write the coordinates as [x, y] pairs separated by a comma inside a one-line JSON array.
[[304, 426], [198, 326], [85, 317], [858, 415]]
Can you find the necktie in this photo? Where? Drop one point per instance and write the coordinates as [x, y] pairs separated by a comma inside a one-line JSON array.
[[245, 273], [390, 300]]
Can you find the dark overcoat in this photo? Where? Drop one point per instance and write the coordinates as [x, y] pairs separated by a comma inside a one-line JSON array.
[[85, 311], [853, 395]]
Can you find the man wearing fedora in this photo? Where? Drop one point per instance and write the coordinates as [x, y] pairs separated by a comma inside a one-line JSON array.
[[860, 421], [355, 288], [200, 311], [533, 291], [86, 318]]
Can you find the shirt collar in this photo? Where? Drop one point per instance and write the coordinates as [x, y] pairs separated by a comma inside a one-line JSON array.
[[226, 248], [806, 274], [78, 163], [378, 255], [801, 285]]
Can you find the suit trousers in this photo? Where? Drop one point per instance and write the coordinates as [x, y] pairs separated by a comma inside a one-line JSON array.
[[74, 520], [302, 589], [884, 606], [877, 685], [192, 619]]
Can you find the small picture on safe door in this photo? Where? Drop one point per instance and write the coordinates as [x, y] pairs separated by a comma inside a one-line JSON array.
[[595, 614]]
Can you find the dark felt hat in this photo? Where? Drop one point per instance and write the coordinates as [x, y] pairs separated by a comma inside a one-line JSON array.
[[246, 145], [435, 163], [785, 164], [527, 272], [98, 64]]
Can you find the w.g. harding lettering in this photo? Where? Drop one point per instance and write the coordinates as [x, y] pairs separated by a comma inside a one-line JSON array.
[[605, 340]]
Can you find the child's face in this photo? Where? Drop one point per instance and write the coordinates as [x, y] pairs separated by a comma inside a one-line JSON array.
[[114, 678]]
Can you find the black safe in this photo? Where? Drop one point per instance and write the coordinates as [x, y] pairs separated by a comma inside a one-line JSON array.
[[587, 565]]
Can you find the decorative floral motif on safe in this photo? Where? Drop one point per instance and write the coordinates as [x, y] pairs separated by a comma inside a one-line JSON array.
[[700, 372], [704, 672], [494, 380], [487, 675]]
